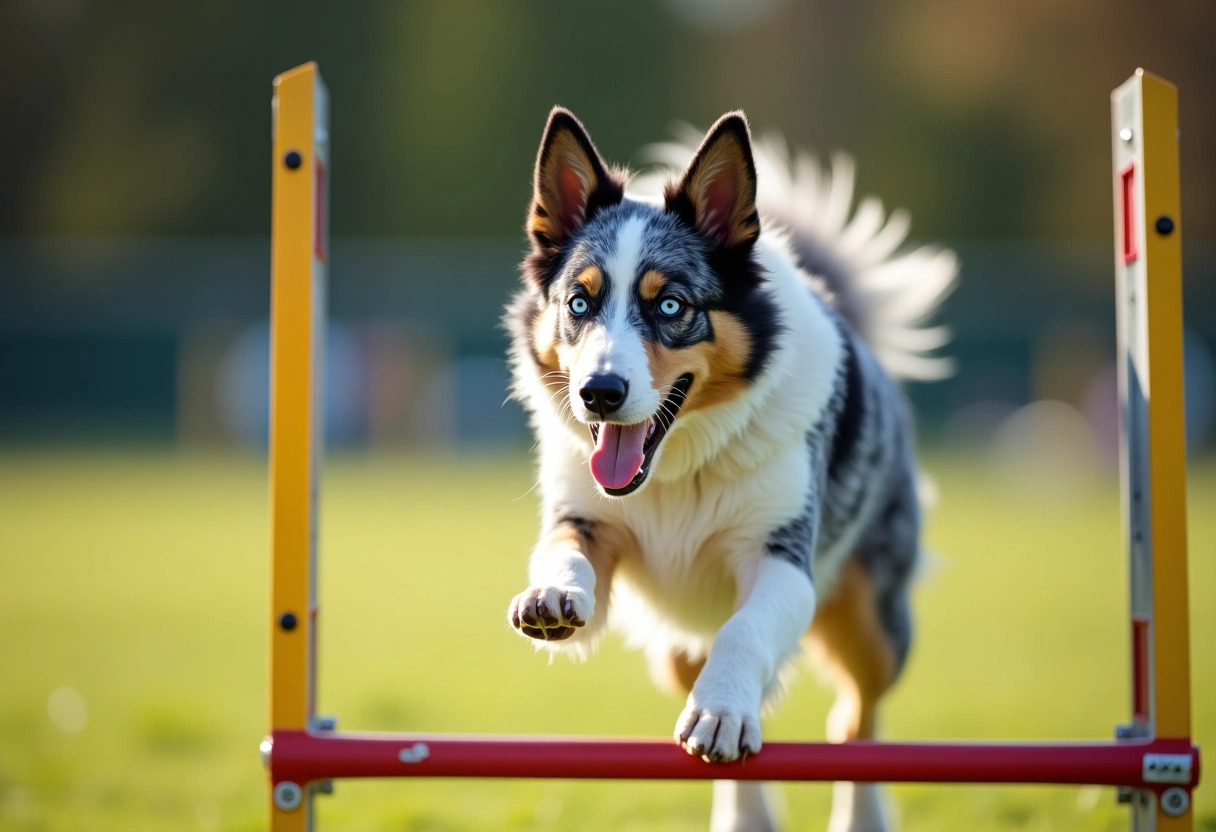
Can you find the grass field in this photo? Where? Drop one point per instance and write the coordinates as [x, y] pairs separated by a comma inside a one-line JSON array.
[[139, 581]]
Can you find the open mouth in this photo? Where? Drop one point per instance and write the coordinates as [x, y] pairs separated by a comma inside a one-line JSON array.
[[622, 455]]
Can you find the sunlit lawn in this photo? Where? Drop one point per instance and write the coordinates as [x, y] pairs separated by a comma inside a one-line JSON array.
[[139, 580]]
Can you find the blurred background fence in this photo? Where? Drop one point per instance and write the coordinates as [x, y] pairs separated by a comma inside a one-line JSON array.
[[167, 339]]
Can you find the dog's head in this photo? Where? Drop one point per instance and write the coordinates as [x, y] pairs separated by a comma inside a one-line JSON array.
[[640, 314]]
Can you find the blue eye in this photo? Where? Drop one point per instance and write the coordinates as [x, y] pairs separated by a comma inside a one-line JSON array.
[[671, 307], [578, 306]]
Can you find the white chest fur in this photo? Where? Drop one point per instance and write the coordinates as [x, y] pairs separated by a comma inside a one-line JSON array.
[[699, 538], [726, 478]]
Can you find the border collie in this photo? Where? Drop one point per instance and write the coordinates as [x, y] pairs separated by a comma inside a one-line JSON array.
[[726, 459]]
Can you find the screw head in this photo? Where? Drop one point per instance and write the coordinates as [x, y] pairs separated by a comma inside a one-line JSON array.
[[1175, 801], [1126, 134], [1164, 226], [288, 621], [293, 159], [287, 795]]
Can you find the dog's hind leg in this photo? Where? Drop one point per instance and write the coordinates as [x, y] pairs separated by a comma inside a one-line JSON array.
[[851, 643], [738, 805], [742, 806]]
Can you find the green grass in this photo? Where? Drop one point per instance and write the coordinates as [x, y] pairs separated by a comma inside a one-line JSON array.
[[140, 580]]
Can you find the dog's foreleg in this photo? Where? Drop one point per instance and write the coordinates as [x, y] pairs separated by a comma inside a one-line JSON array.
[[721, 721], [570, 574]]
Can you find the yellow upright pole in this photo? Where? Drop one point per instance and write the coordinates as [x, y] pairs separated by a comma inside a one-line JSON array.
[[1148, 263], [298, 259]]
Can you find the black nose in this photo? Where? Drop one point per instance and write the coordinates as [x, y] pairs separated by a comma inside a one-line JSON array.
[[604, 393]]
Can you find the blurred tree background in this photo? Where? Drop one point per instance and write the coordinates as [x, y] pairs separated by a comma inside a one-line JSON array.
[[136, 179], [989, 119]]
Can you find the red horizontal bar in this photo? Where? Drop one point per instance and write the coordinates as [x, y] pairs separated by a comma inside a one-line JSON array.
[[302, 757]]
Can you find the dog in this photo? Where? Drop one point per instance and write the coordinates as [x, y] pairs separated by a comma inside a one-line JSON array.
[[725, 455]]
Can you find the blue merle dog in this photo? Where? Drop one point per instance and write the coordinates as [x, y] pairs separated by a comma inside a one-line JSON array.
[[726, 458]]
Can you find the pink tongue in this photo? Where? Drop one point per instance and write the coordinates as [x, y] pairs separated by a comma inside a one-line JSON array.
[[618, 454]]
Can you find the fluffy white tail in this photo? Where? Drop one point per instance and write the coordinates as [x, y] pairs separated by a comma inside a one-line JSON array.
[[885, 295]]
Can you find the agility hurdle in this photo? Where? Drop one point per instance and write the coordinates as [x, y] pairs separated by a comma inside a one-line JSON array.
[[1152, 760]]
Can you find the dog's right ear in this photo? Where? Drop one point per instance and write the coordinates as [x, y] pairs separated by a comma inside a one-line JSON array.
[[570, 183]]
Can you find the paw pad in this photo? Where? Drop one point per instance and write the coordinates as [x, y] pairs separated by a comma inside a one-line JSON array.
[[548, 613]]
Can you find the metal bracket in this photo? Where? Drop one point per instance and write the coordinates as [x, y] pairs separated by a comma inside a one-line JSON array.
[[1167, 768], [1132, 731], [1125, 794], [323, 724]]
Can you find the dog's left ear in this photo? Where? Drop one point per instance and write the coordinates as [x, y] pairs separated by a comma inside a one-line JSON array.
[[717, 193]]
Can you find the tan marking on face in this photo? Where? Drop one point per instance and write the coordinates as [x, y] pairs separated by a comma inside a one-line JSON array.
[[651, 284], [848, 638], [718, 366], [544, 342], [592, 279]]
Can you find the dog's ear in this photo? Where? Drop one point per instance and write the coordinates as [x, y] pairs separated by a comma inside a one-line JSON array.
[[570, 183], [717, 193]]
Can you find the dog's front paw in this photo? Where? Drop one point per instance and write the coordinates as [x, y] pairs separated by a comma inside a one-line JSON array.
[[718, 731], [550, 613]]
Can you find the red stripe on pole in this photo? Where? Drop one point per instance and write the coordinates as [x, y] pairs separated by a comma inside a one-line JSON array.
[[1131, 243], [320, 221], [1140, 668], [303, 757]]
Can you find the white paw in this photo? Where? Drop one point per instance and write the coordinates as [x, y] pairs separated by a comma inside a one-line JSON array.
[[718, 731], [550, 613]]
